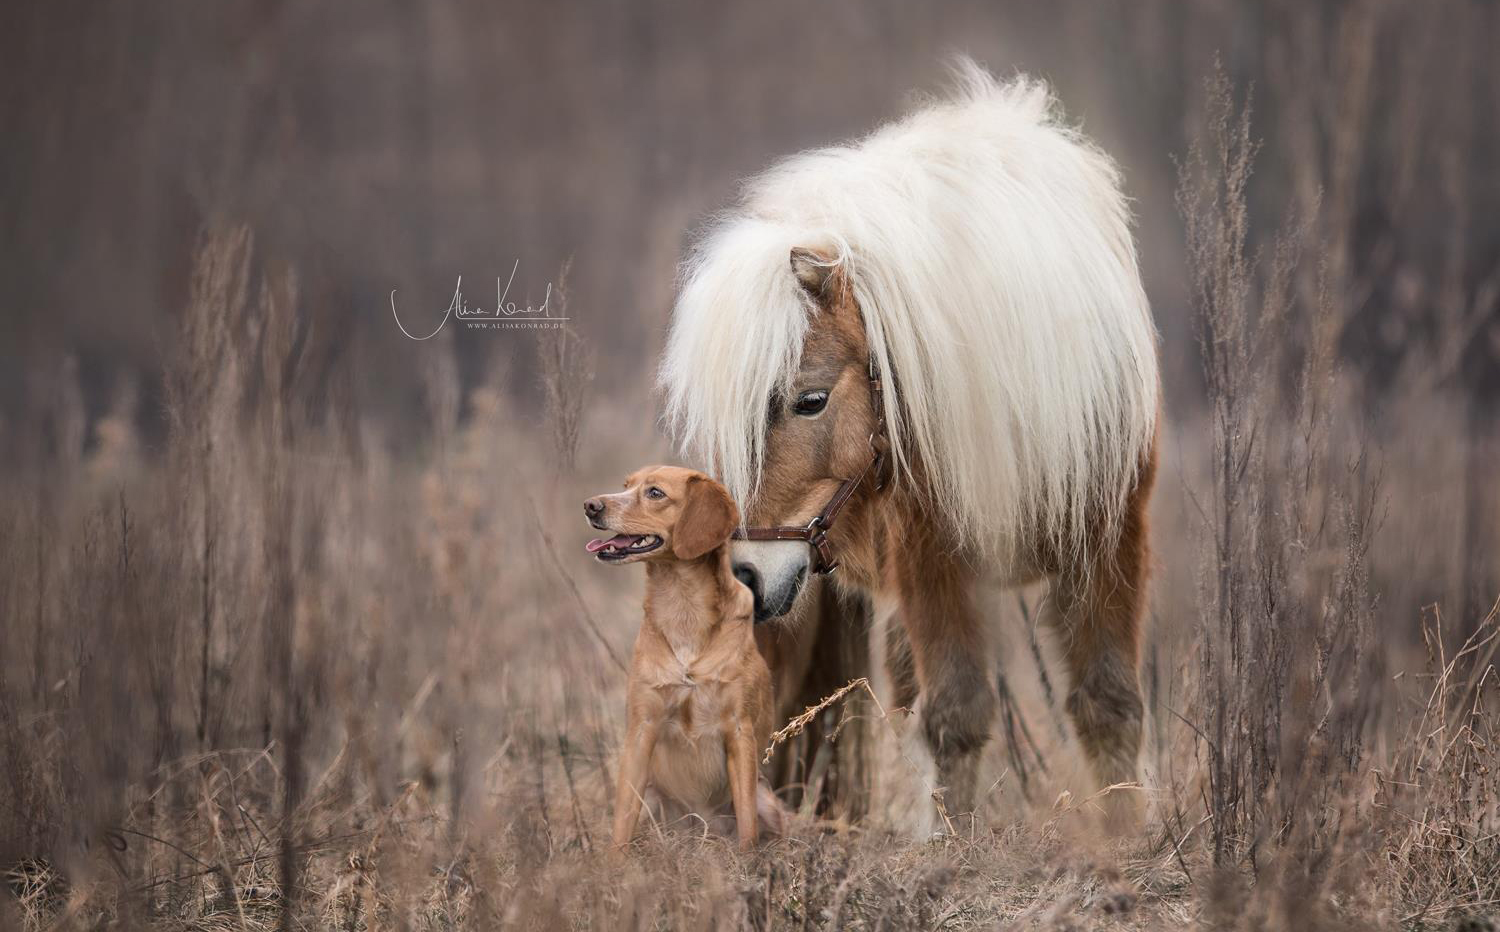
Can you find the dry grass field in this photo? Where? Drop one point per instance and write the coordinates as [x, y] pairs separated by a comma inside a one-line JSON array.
[[285, 663]]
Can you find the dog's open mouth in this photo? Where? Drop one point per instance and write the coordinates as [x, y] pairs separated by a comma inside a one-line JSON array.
[[623, 545]]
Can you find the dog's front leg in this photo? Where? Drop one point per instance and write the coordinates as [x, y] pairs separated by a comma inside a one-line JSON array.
[[635, 767], [740, 751]]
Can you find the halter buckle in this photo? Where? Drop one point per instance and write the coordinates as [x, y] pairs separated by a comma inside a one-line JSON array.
[[818, 539]]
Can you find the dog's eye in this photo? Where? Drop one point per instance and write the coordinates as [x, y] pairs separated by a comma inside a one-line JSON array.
[[810, 403], [654, 492]]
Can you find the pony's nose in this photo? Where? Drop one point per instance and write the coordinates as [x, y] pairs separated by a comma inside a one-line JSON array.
[[593, 508], [774, 571], [746, 574]]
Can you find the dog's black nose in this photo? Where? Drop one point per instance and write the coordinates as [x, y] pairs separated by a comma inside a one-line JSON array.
[[593, 508]]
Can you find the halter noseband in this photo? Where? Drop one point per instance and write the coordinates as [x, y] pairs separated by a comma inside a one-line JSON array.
[[815, 532]]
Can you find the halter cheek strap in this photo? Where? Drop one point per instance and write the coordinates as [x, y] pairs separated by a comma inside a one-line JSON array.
[[815, 532]]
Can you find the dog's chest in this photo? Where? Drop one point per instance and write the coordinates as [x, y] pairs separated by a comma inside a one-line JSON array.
[[690, 762], [694, 696]]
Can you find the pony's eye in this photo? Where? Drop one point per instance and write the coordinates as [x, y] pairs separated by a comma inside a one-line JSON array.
[[654, 492], [810, 403]]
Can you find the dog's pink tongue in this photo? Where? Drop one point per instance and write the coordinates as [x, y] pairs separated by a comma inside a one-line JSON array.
[[619, 540]]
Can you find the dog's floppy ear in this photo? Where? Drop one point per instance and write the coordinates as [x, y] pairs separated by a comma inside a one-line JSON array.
[[708, 518]]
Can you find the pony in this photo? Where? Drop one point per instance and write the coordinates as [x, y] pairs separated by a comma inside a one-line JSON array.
[[953, 300]]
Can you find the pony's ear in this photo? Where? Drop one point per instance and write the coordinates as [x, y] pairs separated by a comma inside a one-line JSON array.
[[815, 271], [707, 519]]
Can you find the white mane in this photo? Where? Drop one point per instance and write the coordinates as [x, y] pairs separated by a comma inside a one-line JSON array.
[[989, 248]]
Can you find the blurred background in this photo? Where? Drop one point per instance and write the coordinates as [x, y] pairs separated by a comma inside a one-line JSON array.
[[395, 146], [243, 512]]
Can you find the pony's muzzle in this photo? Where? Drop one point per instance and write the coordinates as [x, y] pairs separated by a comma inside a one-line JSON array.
[[774, 571]]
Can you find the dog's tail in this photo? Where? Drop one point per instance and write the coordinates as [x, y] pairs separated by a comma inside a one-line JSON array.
[[769, 811]]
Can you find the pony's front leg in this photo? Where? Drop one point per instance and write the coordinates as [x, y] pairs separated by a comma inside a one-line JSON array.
[[1097, 622], [1097, 613], [953, 664]]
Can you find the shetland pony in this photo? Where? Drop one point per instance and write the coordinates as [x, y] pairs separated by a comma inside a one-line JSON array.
[[976, 257]]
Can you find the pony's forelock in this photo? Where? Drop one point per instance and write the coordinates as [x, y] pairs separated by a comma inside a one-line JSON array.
[[736, 340], [989, 249]]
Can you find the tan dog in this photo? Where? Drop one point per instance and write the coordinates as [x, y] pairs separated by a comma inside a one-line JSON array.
[[699, 697]]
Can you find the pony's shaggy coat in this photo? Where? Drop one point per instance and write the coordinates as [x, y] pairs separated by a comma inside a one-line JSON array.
[[988, 246]]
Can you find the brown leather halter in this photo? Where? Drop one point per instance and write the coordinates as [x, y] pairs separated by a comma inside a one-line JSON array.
[[815, 532]]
